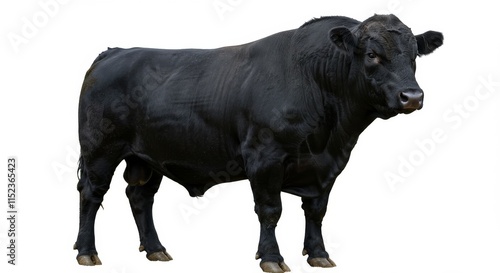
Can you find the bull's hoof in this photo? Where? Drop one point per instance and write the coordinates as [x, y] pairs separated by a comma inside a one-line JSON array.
[[321, 262], [162, 256], [88, 260], [273, 267]]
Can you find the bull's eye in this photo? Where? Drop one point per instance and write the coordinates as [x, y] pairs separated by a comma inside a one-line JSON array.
[[372, 55]]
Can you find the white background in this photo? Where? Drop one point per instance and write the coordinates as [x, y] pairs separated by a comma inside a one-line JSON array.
[[441, 216]]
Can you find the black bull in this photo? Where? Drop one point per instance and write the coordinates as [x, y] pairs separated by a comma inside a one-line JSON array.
[[283, 112]]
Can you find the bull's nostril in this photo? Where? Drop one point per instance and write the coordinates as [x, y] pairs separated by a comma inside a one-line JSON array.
[[404, 98]]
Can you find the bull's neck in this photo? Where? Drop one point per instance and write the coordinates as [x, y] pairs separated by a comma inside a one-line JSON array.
[[331, 94], [341, 109]]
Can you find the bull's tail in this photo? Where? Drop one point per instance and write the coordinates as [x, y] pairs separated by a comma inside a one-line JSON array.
[[81, 168]]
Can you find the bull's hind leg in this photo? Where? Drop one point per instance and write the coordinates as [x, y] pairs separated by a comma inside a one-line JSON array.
[[93, 184], [141, 198], [314, 210]]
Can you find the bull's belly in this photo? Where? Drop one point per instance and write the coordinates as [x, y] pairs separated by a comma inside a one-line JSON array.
[[198, 179], [195, 167]]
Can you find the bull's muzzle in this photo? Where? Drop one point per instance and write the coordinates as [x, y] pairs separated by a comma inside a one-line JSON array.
[[411, 100]]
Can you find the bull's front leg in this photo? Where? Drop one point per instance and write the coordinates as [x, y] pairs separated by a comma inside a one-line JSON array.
[[315, 210], [266, 187]]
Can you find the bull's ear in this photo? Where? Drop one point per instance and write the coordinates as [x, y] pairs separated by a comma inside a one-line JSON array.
[[343, 38], [428, 42]]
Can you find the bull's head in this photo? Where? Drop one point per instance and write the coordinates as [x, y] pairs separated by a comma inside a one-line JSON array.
[[383, 52]]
